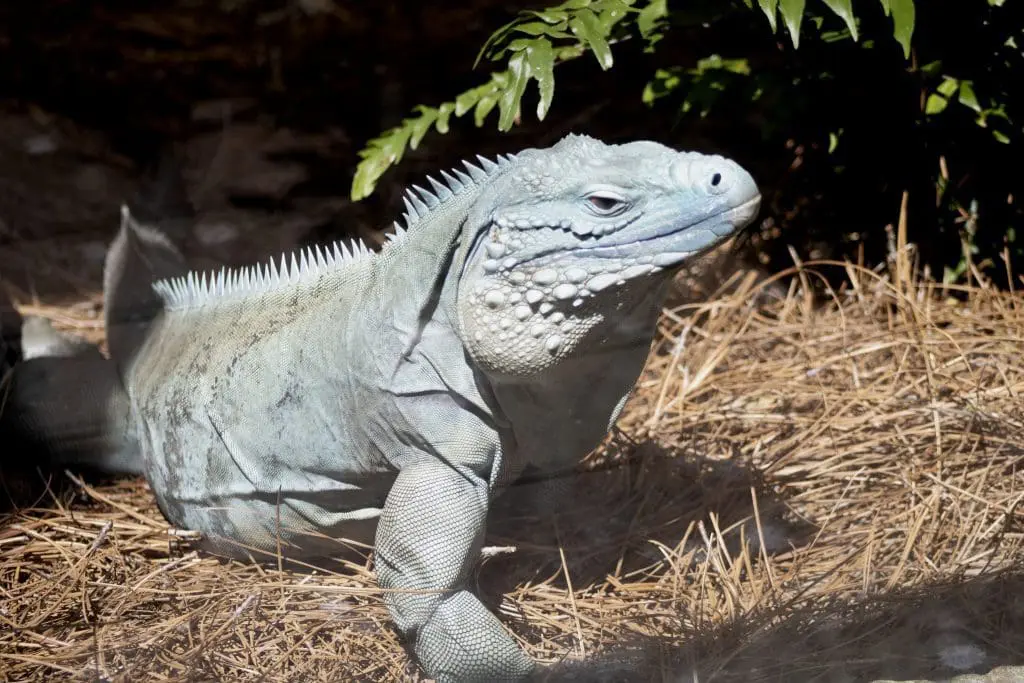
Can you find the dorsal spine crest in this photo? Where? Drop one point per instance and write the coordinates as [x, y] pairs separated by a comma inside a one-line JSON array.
[[309, 264]]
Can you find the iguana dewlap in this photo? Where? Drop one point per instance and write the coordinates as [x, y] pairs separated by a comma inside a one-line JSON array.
[[388, 397]]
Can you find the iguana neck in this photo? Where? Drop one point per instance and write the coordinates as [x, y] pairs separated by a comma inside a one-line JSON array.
[[411, 284], [567, 409]]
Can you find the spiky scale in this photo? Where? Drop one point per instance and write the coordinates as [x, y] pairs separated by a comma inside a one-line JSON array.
[[422, 208], [282, 270], [272, 274], [462, 177], [478, 174], [454, 184], [441, 190], [486, 164], [411, 215]]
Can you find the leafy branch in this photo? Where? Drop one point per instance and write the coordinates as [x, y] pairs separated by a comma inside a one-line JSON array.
[[534, 42], [537, 40]]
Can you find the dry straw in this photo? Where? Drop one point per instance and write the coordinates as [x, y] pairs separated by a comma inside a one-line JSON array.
[[800, 490]]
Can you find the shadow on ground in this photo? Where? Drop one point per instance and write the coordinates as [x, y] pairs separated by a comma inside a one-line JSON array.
[[932, 632], [612, 519]]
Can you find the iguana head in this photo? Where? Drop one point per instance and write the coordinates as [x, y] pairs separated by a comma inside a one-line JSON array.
[[563, 245]]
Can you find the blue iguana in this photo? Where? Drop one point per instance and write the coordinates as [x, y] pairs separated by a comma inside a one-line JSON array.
[[387, 397]]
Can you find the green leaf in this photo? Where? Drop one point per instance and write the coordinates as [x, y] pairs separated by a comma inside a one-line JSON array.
[[420, 125], [508, 103], [541, 60], [444, 114], [484, 107], [522, 43], [663, 83], [793, 14], [539, 28], [588, 29], [935, 104], [833, 140], [768, 7], [844, 10], [651, 18], [553, 15], [609, 13], [380, 153], [902, 12], [466, 101], [948, 86], [967, 96]]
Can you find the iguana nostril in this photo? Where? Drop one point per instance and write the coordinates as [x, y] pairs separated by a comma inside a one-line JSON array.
[[715, 179]]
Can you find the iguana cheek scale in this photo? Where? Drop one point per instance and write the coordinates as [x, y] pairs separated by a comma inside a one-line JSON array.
[[337, 395]]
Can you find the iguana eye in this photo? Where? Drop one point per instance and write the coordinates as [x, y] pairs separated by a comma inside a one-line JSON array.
[[605, 204]]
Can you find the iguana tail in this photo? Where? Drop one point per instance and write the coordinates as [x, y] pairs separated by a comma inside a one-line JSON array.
[[139, 255], [64, 398], [65, 401], [144, 251]]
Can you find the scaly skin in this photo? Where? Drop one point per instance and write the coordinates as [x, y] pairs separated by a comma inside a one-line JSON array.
[[388, 398]]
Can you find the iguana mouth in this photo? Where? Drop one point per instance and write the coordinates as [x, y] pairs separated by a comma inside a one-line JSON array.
[[720, 226]]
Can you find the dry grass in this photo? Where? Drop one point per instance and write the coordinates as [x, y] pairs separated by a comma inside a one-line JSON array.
[[798, 491]]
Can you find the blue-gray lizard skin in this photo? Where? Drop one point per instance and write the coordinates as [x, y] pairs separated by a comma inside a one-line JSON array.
[[387, 398]]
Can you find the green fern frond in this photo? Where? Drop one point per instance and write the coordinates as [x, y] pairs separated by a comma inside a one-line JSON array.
[[536, 41]]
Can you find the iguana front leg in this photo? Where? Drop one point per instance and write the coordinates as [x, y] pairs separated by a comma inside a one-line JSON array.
[[428, 539]]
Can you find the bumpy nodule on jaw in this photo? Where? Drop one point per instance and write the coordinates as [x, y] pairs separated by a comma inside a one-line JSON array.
[[521, 318]]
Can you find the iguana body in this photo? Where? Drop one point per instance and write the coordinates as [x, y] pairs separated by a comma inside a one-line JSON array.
[[387, 398]]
